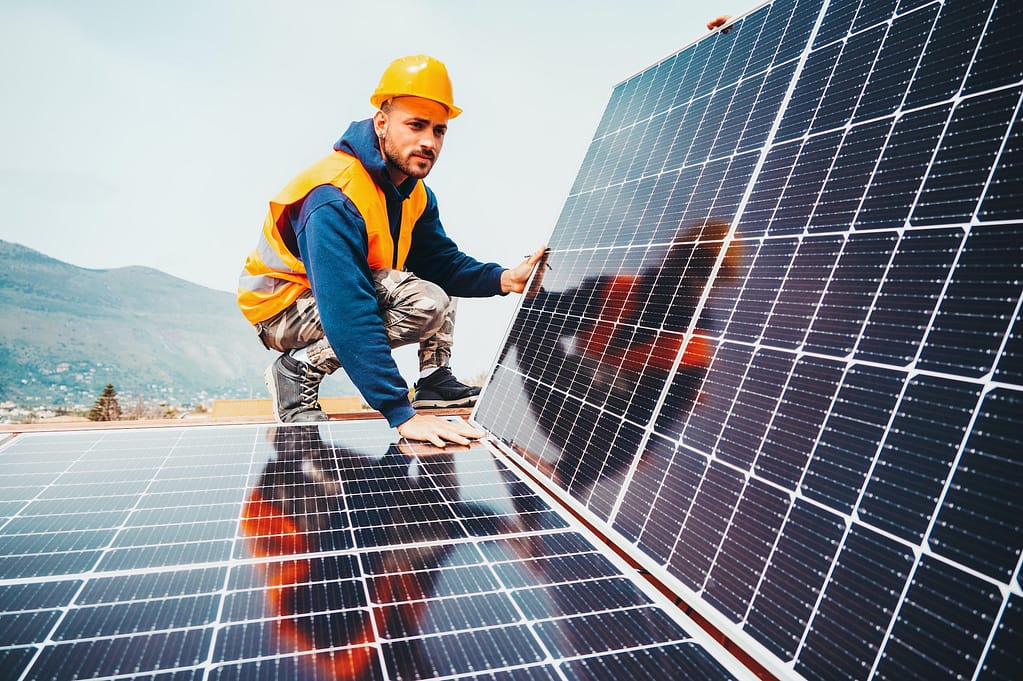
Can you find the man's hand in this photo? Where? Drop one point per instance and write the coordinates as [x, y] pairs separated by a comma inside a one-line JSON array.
[[719, 21], [436, 430], [514, 280], [536, 283]]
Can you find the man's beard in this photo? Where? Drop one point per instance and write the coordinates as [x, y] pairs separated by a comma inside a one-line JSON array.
[[405, 165]]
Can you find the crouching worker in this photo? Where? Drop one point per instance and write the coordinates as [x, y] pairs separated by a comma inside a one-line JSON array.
[[353, 261]]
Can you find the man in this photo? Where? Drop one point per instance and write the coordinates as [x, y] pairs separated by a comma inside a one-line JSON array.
[[353, 261]]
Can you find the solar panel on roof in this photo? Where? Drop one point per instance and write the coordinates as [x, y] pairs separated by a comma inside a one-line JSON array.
[[777, 345], [306, 552]]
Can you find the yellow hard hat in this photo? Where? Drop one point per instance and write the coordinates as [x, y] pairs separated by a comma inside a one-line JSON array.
[[416, 76]]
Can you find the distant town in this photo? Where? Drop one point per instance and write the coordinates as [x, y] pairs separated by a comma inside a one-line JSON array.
[[70, 391]]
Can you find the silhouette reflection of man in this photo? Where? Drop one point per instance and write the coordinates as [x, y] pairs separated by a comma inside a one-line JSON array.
[[599, 353], [404, 512]]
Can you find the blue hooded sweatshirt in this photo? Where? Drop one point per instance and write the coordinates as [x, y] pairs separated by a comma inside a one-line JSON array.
[[333, 244]]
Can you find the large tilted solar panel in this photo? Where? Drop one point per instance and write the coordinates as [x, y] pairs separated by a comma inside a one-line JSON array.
[[776, 347], [307, 552]]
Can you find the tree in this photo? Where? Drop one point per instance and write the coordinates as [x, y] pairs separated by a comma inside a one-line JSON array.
[[106, 407]]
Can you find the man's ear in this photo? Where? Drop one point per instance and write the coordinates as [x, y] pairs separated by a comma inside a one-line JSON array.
[[380, 123]]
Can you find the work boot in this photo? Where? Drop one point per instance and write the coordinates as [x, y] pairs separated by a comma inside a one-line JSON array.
[[442, 389], [294, 386]]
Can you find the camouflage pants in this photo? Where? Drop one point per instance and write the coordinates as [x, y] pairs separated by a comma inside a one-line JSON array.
[[413, 310]]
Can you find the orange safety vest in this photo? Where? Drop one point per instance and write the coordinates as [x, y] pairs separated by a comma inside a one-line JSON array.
[[273, 277]]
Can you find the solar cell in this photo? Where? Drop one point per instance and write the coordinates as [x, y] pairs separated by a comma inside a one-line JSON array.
[[809, 431], [786, 597], [1003, 657]]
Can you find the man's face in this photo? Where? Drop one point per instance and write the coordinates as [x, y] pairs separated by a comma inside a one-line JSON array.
[[411, 132]]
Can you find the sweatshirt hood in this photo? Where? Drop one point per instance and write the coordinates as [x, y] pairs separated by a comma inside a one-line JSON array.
[[360, 141]]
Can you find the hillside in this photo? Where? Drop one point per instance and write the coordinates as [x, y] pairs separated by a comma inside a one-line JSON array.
[[67, 331]]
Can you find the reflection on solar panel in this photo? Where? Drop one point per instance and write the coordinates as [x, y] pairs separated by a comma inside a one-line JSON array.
[[777, 348], [307, 552]]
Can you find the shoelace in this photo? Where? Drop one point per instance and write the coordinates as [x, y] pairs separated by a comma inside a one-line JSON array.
[[310, 387]]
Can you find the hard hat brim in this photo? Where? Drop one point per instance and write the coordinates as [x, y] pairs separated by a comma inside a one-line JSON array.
[[378, 99]]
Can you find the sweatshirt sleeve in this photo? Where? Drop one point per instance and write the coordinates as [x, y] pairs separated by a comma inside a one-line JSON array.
[[332, 240], [435, 257]]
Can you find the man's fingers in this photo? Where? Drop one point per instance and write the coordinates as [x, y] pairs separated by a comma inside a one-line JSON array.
[[461, 432], [468, 431], [457, 439], [537, 257], [534, 258], [530, 263], [718, 21], [438, 431]]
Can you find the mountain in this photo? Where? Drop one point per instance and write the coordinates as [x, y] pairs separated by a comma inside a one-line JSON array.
[[67, 331]]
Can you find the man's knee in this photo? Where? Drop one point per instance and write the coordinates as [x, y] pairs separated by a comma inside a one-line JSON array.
[[417, 309], [426, 299], [433, 300]]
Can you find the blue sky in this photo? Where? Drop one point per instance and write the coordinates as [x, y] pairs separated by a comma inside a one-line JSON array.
[[137, 132]]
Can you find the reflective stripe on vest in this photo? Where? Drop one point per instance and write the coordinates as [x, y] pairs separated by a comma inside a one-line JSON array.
[[273, 278]]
